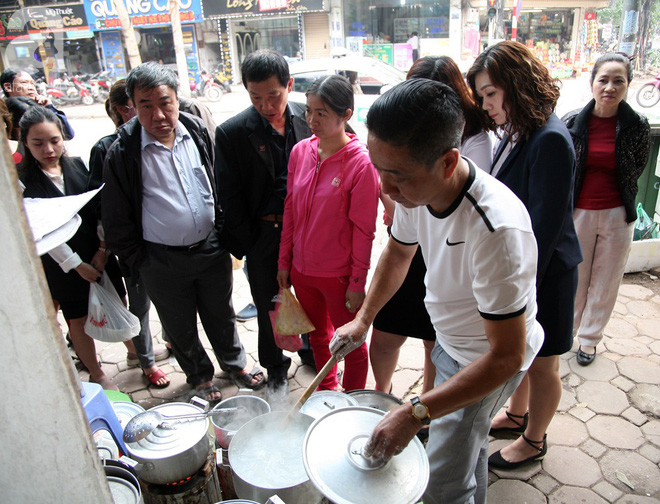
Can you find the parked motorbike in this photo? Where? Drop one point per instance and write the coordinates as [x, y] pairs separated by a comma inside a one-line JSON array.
[[213, 85], [649, 94], [99, 84], [70, 92]]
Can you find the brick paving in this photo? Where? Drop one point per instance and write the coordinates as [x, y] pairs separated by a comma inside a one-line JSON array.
[[604, 443]]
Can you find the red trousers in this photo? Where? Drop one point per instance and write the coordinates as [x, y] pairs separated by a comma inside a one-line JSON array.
[[324, 301]]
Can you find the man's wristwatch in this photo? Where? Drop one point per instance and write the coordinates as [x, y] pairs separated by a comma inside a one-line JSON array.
[[420, 411]]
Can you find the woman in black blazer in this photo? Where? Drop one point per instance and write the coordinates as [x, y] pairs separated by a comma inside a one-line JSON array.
[[48, 173], [536, 161]]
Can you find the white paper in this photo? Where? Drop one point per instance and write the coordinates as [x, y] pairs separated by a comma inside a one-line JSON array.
[[61, 235], [46, 215]]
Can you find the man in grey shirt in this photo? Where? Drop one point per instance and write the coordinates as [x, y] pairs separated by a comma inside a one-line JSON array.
[[161, 216]]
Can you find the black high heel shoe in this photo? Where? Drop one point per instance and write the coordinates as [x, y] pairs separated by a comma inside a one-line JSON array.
[[511, 430], [496, 460]]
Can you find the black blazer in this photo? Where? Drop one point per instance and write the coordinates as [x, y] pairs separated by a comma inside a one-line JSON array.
[[85, 242], [245, 173], [541, 172]]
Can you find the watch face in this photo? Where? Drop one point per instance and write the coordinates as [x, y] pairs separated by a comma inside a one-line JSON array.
[[420, 411]]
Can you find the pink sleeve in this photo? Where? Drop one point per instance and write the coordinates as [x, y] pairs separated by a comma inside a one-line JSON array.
[[286, 239], [363, 213]]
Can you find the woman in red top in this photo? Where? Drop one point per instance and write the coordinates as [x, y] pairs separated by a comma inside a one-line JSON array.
[[612, 145], [329, 224]]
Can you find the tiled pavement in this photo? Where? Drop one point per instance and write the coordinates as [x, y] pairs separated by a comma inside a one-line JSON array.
[[604, 443]]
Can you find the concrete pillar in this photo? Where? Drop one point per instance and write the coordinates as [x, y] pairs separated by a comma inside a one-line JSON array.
[[47, 454]]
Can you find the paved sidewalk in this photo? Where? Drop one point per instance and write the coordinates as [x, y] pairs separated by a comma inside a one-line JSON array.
[[604, 443]]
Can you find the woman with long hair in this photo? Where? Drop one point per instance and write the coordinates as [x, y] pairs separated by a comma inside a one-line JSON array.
[[329, 224], [48, 173], [405, 314], [536, 160], [612, 144]]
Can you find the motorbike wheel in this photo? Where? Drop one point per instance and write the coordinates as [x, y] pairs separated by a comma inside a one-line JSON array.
[[88, 100], [213, 93], [648, 95], [226, 87]]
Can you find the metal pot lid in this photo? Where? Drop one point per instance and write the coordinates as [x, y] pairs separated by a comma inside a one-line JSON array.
[[375, 399], [165, 442], [123, 491], [325, 401], [333, 461], [252, 407], [126, 410], [267, 452]]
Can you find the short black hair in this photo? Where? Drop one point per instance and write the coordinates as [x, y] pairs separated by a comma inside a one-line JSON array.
[[422, 115], [262, 65], [8, 76], [150, 75], [336, 92]]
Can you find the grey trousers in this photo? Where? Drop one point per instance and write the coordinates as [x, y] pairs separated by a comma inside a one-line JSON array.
[[182, 284], [138, 305], [458, 442]]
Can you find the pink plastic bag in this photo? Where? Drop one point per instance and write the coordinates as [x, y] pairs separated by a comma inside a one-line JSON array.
[[290, 342]]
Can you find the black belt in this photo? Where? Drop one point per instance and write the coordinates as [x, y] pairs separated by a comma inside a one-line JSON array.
[[181, 248], [272, 217]]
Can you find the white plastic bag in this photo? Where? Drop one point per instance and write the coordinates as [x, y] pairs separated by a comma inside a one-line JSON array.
[[107, 317]]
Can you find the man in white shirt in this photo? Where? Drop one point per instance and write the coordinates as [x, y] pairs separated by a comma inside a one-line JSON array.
[[161, 215], [479, 248]]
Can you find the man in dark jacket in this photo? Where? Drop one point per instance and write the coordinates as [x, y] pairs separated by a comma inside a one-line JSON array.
[[252, 153], [161, 216]]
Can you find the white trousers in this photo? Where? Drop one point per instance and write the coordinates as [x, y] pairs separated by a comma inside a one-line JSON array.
[[606, 239]]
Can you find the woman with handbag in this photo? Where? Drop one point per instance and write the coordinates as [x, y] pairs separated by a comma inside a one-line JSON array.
[[612, 144], [536, 160], [48, 173], [329, 224]]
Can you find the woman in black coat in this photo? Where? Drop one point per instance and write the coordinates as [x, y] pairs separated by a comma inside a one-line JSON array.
[[48, 173], [536, 160], [612, 144]]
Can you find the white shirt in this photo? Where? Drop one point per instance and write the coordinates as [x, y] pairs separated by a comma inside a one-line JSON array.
[[177, 200], [481, 264]]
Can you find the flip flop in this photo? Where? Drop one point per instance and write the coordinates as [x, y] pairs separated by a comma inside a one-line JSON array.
[[244, 380], [205, 393], [155, 376], [160, 353]]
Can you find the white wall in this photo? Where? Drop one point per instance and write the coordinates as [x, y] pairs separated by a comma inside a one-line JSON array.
[[47, 453]]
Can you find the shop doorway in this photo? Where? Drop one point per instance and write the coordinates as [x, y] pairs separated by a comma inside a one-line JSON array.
[[251, 35]]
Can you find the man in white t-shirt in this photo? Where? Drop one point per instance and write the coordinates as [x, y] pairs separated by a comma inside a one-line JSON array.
[[480, 254], [414, 43]]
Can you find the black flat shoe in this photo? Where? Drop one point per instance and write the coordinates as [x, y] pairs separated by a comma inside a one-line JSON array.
[[511, 430], [496, 461], [583, 358]]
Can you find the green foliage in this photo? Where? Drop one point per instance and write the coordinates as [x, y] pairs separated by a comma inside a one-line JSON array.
[[611, 14]]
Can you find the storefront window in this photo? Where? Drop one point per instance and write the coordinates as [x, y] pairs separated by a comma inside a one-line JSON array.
[[392, 21], [280, 34]]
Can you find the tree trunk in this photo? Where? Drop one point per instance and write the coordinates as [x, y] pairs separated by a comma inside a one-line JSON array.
[[643, 34], [177, 35], [127, 30]]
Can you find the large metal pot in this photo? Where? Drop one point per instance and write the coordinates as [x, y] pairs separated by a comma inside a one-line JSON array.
[[266, 459], [375, 399], [123, 483], [227, 425], [170, 454]]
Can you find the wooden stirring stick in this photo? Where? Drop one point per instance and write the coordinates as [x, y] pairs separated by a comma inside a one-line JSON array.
[[312, 386]]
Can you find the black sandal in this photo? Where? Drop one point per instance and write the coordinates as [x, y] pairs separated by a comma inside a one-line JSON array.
[[512, 430], [498, 462]]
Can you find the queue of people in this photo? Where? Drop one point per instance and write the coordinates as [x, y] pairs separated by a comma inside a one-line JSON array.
[[495, 257]]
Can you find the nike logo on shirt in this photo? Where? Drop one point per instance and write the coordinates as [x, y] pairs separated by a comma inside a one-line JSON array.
[[452, 244]]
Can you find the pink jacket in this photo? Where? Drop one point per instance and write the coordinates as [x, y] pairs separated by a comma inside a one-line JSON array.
[[330, 212]]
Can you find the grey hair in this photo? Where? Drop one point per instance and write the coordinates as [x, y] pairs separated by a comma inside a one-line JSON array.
[[150, 75]]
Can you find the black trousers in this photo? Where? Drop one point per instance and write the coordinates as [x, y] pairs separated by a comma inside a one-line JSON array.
[[182, 284], [262, 277]]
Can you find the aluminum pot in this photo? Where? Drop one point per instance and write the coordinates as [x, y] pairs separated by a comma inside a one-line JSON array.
[[170, 454], [123, 483], [375, 399], [266, 459], [226, 426]]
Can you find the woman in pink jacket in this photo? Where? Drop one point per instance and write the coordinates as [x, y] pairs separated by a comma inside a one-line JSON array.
[[329, 224]]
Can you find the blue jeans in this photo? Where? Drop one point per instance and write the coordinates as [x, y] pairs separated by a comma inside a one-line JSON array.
[[458, 442]]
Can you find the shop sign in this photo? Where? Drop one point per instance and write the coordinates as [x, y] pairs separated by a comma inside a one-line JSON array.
[[12, 25], [143, 13], [242, 7], [32, 20]]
